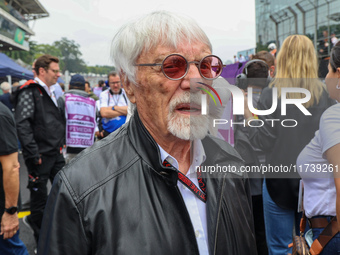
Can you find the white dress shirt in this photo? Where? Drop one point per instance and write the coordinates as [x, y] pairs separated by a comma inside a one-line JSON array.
[[49, 90], [319, 188], [195, 207]]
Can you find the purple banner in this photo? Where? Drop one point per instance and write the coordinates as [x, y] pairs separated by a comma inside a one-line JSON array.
[[231, 71]]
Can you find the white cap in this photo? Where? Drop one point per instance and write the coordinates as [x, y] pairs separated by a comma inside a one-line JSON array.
[[272, 46]]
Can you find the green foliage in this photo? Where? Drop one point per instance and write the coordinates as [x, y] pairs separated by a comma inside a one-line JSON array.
[[68, 52], [42, 49], [260, 47], [71, 55], [100, 69], [26, 56]]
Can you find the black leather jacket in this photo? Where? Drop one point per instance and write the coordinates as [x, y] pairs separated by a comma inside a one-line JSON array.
[[117, 198], [40, 125]]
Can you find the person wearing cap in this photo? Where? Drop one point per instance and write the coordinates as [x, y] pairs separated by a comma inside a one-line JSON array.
[[334, 39], [272, 49], [139, 190], [79, 110], [6, 97], [41, 130]]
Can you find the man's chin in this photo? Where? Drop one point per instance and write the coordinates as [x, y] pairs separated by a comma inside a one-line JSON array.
[[188, 127]]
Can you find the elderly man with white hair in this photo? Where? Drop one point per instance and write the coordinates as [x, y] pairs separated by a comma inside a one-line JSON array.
[[5, 98], [143, 189]]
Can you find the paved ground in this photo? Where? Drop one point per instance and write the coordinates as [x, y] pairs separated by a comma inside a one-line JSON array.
[[25, 234]]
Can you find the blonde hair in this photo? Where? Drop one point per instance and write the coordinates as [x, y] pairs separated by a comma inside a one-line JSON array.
[[297, 66]]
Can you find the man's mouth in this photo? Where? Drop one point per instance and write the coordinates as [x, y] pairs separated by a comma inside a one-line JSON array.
[[188, 109]]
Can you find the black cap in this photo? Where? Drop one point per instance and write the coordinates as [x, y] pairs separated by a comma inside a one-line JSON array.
[[77, 81]]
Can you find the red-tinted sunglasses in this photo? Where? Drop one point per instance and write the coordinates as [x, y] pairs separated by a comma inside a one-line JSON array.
[[175, 66]]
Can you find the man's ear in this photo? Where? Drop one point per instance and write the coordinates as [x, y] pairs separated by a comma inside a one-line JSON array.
[[272, 71], [338, 72], [128, 87], [42, 71]]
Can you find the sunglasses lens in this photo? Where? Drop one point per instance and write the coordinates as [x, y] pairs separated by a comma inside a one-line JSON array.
[[211, 67], [174, 66]]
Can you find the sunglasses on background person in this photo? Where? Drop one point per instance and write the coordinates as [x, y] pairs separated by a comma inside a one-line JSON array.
[[175, 66]]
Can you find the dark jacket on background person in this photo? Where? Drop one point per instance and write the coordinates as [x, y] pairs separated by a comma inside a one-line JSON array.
[[6, 100], [117, 198], [282, 145], [40, 126], [93, 95]]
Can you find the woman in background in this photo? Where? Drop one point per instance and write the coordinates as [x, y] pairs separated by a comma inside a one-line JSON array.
[[296, 68], [320, 163]]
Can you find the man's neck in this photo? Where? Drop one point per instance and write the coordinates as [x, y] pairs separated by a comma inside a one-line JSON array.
[[179, 149], [43, 80], [113, 93]]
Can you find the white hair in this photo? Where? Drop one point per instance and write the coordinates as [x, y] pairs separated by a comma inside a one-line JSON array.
[[5, 86], [157, 28]]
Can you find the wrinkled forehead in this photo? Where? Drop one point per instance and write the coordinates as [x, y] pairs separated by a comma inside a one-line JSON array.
[[176, 41], [158, 51]]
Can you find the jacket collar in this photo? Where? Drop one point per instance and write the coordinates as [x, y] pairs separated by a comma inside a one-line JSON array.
[[148, 149], [144, 143]]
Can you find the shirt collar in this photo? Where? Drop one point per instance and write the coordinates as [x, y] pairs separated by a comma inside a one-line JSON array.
[[49, 90], [198, 157]]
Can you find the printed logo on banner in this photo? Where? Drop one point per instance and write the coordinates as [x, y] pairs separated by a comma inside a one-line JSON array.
[[81, 120]]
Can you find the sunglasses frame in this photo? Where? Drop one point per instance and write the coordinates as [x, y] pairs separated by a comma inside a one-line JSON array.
[[197, 64]]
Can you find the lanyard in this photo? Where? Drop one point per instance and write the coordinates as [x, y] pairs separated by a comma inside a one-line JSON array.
[[199, 192], [113, 98]]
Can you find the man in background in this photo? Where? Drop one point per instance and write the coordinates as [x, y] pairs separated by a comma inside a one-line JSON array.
[[100, 88], [272, 49], [89, 90], [113, 105], [242, 59], [255, 75], [41, 130], [269, 59], [10, 244], [5, 98], [79, 110]]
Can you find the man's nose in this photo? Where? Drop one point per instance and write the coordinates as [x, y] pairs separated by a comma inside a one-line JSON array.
[[192, 77]]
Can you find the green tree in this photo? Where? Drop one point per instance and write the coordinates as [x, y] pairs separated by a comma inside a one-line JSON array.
[[100, 69], [41, 49], [260, 47], [71, 55]]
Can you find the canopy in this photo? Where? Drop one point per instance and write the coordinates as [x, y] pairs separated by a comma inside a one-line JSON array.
[[9, 67]]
